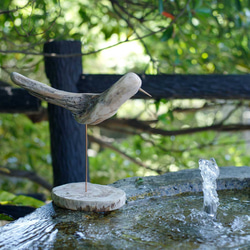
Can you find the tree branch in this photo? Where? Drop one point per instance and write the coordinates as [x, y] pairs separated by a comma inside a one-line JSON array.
[[123, 154], [26, 52], [133, 126], [29, 33], [211, 143], [32, 176], [230, 113], [206, 105], [16, 9]]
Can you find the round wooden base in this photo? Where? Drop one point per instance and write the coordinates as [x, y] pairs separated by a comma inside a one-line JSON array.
[[98, 198]]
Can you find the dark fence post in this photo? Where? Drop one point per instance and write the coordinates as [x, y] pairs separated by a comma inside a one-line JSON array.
[[66, 135]]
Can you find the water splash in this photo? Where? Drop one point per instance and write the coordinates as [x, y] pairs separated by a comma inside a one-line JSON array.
[[209, 173]]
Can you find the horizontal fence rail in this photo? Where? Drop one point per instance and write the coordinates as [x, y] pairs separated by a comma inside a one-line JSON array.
[[16, 100], [227, 87], [177, 86]]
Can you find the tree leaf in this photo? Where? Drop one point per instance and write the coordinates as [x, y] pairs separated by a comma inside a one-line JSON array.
[[163, 118], [157, 105], [238, 5], [6, 196], [160, 6], [5, 170], [27, 201], [5, 217], [197, 4], [167, 34], [203, 11], [168, 15]]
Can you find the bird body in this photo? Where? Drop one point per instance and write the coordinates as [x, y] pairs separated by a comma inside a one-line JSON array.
[[87, 108]]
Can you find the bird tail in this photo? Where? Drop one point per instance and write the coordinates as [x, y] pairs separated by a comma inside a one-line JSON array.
[[71, 101]]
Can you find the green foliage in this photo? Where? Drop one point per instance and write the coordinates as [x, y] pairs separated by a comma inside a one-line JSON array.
[[167, 34], [5, 217], [27, 201], [175, 152], [178, 37], [7, 198], [109, 166], [11, 199], [24, 146]]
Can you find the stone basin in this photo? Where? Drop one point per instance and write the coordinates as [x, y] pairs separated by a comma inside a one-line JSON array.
[[50, 227]]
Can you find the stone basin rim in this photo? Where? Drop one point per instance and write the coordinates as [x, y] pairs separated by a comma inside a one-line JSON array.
[[181, 182]]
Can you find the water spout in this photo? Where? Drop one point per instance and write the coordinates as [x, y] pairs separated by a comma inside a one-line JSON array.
[[209, 173]]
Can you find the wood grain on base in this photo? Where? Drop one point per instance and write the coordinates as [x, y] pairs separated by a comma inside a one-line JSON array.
[[98, 198]]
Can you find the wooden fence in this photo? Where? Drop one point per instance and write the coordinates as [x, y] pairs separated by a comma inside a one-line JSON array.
[[65, 72]]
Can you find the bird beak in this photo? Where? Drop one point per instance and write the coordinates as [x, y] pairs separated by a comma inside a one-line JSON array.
[[146, 93]]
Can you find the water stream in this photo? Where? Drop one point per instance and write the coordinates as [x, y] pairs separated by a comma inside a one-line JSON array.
[[209, 172]]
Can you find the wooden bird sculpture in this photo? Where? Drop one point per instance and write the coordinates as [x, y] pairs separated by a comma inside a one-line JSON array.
[[87, 108]]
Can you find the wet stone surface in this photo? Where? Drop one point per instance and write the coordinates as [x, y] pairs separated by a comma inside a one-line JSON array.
[[152, 217]]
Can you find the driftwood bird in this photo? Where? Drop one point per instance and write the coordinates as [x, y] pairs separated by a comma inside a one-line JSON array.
[[87, 108]]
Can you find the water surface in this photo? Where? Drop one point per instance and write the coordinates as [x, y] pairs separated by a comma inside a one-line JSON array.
[[177, 222]]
